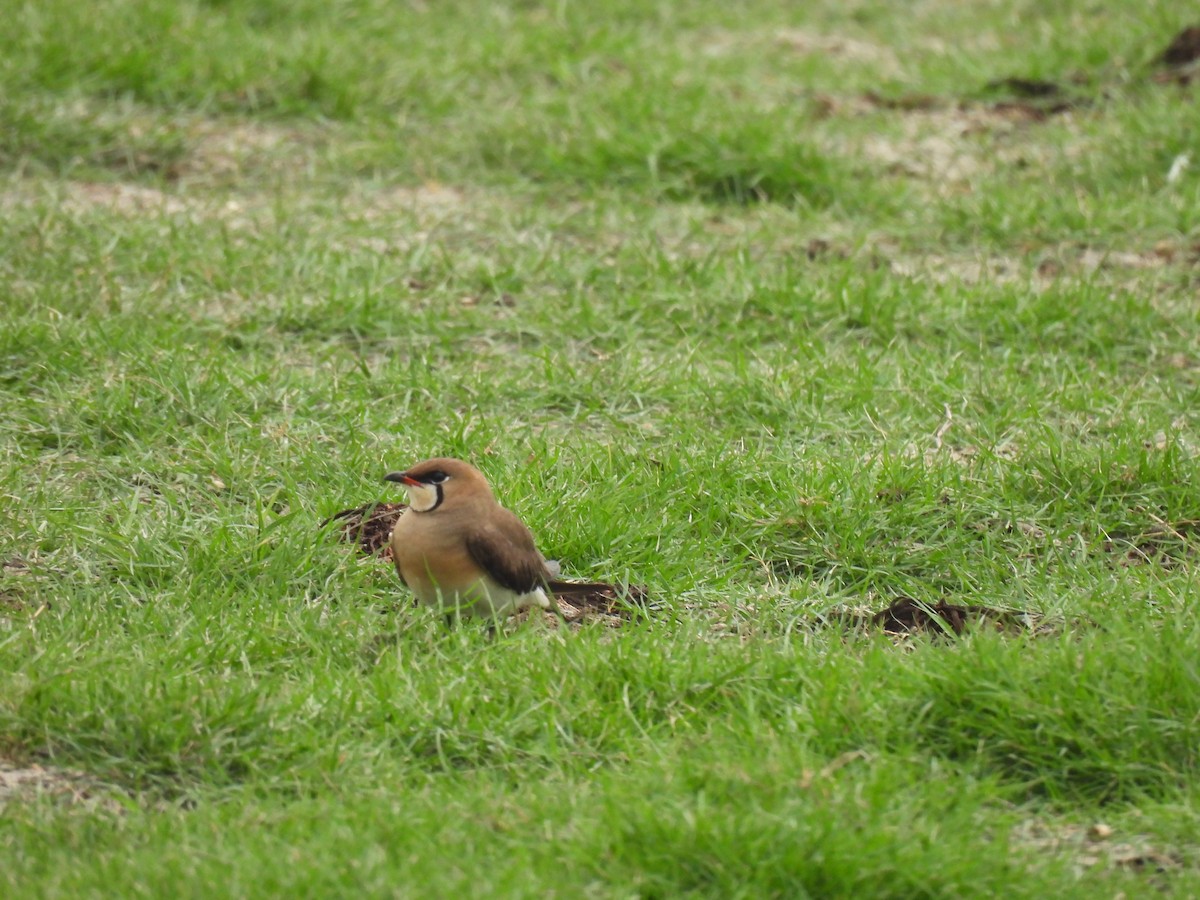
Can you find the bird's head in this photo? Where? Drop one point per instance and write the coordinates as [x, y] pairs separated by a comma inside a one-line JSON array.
[[441, 483]]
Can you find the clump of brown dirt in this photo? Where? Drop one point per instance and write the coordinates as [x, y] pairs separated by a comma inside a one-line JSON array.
[[1183, 49], [369, 526], [1179, 61], [906, 617]]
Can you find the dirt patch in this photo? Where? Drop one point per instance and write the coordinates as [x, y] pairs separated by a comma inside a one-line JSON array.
[[19, 589], [1181, 58], [804, 42], [907, 616], [219, 153], [1097, 845], [25, 782], [592, 602], [141, 201], [938, 140], [1041, 267], [1167, 544], [933, 145], [370, 528], [851, 49], [1026, 87], [1093, 259], [222, 149], [984, 115], [431, 197], [396, 219], [1032, 99], [945, 269], [927, 149], [122, 198], [247, 210], [1186, 253], [949, 141]]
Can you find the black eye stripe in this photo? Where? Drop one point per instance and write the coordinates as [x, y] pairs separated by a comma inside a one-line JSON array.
[[431, 478]]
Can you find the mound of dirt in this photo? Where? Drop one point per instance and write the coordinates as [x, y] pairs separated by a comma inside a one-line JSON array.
[[369, 526], [906, 616]]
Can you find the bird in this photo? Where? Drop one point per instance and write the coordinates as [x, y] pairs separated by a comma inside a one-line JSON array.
[[458, 550]]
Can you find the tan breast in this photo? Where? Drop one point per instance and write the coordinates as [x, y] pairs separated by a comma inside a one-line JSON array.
[[432, 562]]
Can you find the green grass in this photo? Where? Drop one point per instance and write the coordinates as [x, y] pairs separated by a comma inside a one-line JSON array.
[[770, 309]]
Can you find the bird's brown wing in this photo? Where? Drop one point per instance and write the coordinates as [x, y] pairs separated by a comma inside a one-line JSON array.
[[504, 548]]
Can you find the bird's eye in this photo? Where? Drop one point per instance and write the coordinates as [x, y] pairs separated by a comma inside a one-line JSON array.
[[437, 477]]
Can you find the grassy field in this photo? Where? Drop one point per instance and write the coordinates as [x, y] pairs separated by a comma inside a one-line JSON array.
[[783, 311]]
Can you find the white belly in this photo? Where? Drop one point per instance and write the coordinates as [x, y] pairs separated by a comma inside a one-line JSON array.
[[483, 599]]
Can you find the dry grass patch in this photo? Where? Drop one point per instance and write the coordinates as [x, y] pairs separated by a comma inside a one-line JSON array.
[[841, 49], [22, 783], [1098, 844]]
